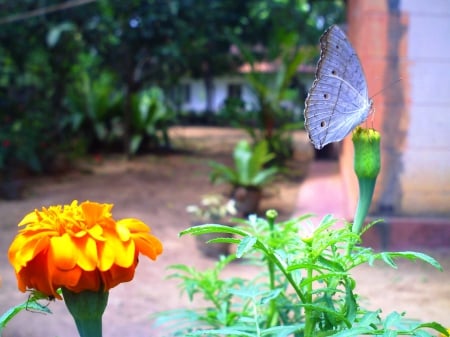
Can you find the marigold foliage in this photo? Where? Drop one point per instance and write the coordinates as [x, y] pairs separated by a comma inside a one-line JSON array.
[[78, 247]]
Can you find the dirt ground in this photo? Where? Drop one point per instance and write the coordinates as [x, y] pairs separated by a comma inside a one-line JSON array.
[[157, 189]]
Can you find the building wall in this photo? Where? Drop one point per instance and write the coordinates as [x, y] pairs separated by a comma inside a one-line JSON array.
[[197, 100], [408, 41]]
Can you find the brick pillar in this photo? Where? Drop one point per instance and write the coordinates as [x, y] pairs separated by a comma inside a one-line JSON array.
[[376, 29]]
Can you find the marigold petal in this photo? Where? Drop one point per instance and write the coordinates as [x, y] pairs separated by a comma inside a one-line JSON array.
[[66, 278], [96, 232], [115, 251], [63, 252], [123, 232], [148, 245], [117, 275], [106, 256], [94, 211], [29, 218], [24, 248], [88, 280], [36, 276], [87, 257], [126, 257], [134, 225]]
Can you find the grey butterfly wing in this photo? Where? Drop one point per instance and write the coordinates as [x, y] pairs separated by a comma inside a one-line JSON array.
[[325, 127], [338, 100], [338, 58]]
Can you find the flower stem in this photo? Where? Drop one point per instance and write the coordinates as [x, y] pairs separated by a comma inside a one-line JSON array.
[[87, 309], [366, 188]]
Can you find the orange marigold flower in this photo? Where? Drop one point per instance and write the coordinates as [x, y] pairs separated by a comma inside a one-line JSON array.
[[78, 247]]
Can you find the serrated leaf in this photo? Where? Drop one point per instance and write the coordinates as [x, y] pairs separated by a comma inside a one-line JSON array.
[[245, 245], [358, 331], [225, 331], [392, 320], [271, 295], [282, 331], [419, 256], [388, 260], [435, 326], [212, 228]]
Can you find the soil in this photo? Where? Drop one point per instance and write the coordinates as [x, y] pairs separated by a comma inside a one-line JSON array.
[[157, 189]]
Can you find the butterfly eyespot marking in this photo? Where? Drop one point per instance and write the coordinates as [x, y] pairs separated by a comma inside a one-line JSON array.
[[333, 72], [323, 124], [326, 96]]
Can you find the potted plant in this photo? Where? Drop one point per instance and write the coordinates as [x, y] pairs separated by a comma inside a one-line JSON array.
[[213, 208], [248, 176]]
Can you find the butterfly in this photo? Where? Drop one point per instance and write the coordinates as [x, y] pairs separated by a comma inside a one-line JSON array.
[[338, 100]]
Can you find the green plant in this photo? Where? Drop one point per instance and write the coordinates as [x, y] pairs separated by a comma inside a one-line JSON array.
[[213, 207], [94, 106], [22, 143], [249, 166], [151, 119], [306, 288]]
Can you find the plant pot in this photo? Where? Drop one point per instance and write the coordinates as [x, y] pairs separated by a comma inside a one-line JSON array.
[[247, 200]]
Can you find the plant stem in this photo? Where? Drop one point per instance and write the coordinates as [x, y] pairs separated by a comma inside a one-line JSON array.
[[286, 274], [271, 268], [87, 308], [309, 319], [366, 188]]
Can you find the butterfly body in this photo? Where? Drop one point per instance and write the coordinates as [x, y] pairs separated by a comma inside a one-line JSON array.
[[338, 100]]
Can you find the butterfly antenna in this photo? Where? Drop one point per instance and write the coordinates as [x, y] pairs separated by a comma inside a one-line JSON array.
[[387, 87]]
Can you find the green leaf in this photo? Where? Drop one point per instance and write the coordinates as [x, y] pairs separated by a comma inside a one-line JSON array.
[[392, 320], [419, 256], [224, 331], [357, 331], [269, 296], [282, 331], [433, 325], [212, 228], [389, 257], [390, 333], [245, 245], [135, 143], [28, 305], [54, 34], [388, 260], [224, 240]]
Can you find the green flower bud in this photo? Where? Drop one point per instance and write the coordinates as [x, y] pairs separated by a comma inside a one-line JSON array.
[[271, 214], [367, 152], [367, 166]]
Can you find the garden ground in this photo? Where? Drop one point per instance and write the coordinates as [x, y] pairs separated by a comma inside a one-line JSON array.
[[157, 189]]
